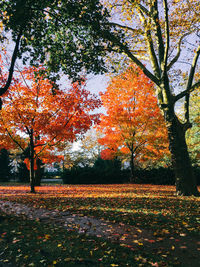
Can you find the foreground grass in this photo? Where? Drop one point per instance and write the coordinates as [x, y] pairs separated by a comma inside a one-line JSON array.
[[155, 208], [146, 206], [31, 243]]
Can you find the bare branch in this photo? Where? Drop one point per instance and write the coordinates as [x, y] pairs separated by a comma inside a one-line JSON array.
[[125, 27], [192, 70], [124, 48], [190, 87], [185, 92], [174, 60], [194, 86]]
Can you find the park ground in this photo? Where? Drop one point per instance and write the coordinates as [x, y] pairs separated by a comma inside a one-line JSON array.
[[125, 225]]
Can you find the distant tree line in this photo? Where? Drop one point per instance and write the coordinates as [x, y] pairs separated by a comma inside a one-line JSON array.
[[102, 172], [16, 170], [5, 165], [111, 171]]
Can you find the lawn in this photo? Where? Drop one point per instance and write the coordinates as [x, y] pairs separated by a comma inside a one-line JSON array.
[[147, 207]]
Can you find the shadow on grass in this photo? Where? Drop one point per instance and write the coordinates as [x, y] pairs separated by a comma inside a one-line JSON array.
[[30, 243]]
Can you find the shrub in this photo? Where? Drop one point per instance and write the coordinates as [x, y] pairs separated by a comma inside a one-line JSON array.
[[103, 172]]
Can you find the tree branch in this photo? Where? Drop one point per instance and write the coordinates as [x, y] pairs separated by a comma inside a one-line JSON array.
[[194, 86], [124, 27], [11, 136], [153, 57], [189, 84], [189, 88], [185, 92], [166, 36], [158, 32], [12, 65], [192, 70], [111, 37], [174, 60]]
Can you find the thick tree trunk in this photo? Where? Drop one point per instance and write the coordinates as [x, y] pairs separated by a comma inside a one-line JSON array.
[[185, 178]]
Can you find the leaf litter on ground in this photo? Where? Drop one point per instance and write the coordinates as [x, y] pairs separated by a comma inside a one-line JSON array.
[[140, 217]]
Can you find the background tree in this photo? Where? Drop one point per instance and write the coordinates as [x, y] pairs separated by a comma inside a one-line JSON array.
[[157, 35], [90, 146], [102, 172], [44, 116], [5, 165], [84, 152], [193, 134], [22, 173], [145, 31], [133, 125]]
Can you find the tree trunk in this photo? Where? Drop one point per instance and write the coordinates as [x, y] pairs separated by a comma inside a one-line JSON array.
[[38, 173], [32, 173], [132, 168], [185, 179]]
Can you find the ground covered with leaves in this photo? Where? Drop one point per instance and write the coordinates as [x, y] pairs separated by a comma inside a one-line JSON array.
[[173, 223]]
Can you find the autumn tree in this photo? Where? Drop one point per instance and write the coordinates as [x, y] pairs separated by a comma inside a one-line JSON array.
[[156, 35], [133, 125], [82, 153], [162, 39], [89, 146], [38, 117]]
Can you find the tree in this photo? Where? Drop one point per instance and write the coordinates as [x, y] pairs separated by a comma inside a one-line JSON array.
[[133, 125], [5, 165], [22, 173], [162, 39], [37, 117], [82, 153], [145, 31], [192, 135], [102, 172], [56, 33]]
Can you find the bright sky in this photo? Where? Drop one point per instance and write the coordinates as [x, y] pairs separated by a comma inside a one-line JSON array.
[[97, 83]]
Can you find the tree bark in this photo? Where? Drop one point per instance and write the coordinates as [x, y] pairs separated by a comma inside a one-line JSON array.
[[132, 168], [32, 173], [38, 173], [185, 179]]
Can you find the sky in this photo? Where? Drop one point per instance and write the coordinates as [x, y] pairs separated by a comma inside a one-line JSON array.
[[97, 83]]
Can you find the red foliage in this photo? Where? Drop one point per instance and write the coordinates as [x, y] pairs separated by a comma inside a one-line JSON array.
[[32, 108]]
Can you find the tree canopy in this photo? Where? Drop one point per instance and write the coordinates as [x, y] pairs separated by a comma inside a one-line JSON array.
[[158, 36], [37, 117], [162, 39], [133, 126], [63, 35]]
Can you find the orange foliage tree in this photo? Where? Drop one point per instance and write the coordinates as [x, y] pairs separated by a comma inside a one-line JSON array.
[[133, 125], [38, 116]]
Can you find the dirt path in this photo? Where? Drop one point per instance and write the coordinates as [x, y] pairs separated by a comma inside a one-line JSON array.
[[185, 248]]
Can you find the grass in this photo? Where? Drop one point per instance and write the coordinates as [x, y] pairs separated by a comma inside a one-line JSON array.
[[147, 206], [154, 208], [31, 243]]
